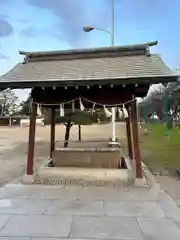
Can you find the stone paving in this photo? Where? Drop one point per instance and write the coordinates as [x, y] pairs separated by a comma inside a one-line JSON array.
[[67, 212]]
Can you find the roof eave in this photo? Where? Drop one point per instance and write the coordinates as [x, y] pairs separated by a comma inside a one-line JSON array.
[[121, 81]]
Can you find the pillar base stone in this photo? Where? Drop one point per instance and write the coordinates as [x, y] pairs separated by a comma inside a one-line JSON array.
[[28, 179], [140, 182]]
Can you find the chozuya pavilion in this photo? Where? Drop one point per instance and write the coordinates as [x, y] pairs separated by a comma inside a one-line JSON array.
[[109, 76]]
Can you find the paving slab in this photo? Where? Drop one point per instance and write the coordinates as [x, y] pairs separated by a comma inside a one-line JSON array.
[[141, 194], [4, 219], [15, 191], [121, 194], [23, 206], [31, 238], [105, 228], [51, 239], [15, 238], [98, 193], [63, 212], [156, 229], [133, 209], [170, 208], [37, 226], [60, 192], [88, 208]]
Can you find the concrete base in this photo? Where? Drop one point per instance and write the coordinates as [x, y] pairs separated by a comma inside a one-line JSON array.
[[150, 178], [140, 182], [128, 163], [28, 179], [87, 158], [114, 144], [85, 177]]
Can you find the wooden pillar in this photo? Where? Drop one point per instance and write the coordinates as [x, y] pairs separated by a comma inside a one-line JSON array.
[[32, 129], [136, 143], [79, 132], [52, 134], [129, 136]]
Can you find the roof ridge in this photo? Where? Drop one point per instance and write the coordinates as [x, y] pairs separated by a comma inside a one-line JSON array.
[[90, 50]]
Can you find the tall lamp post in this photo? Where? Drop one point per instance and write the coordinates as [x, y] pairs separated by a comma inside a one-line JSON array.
[[89, 29]]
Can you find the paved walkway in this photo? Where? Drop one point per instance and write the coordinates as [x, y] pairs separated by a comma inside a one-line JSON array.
[[49, 212]]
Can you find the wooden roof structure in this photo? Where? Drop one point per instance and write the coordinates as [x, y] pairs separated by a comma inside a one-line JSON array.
[[111, 65], [108, 76]]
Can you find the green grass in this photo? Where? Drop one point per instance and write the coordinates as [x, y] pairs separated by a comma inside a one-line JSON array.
[[160, 153]]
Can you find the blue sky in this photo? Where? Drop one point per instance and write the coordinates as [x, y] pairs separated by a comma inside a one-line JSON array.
[[37, 25]]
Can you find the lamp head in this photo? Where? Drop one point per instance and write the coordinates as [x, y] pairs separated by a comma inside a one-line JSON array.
[[88, 28]]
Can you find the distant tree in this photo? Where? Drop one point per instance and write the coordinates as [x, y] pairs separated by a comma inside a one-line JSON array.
[[172, 92], [25, 107], [8, 102], [156, 97], [78, 118]]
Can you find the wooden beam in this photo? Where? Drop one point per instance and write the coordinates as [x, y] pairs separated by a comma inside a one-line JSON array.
[[32, 128], [52, 134], [136, 143], [129, 135]]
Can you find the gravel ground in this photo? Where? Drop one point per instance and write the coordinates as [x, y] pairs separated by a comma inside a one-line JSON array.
[[13, 145]]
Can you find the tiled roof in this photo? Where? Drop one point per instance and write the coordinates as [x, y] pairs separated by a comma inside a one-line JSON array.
[[129, 65]]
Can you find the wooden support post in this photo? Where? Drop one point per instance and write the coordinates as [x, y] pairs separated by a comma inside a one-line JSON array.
[[52, 140], [32, 129], [113, 124], [137, 154], [79, 131], [129, 136]]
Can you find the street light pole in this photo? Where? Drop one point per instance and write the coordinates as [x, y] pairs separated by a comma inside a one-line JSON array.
[[112, 22], [112, 44], [90, 28]]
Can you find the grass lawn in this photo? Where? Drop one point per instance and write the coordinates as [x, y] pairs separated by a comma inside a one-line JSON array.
[[159, 152]]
